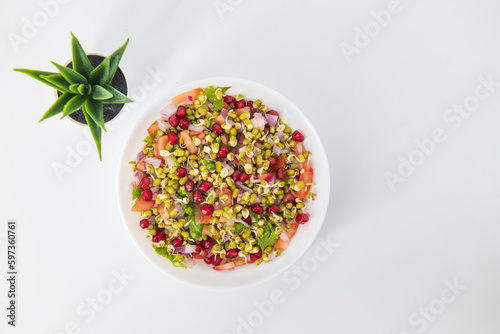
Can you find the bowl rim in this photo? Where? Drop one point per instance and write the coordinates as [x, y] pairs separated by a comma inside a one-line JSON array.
[[164, 99]]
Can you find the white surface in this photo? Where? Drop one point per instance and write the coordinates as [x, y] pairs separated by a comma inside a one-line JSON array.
[[395, 249], [202, 275]]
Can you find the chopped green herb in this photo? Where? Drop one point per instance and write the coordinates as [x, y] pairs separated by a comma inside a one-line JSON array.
[[164, 252], [136, 192], [268, 238], [211, 93]]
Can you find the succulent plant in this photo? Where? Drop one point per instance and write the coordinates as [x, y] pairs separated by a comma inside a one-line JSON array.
[[83, 87]]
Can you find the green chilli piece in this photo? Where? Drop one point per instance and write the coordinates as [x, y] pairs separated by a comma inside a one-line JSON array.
[[83, 87]]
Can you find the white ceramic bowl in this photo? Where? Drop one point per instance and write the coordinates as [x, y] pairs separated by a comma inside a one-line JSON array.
[[202, 275]]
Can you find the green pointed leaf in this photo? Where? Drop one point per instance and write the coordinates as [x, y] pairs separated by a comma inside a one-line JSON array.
[[71, 75], [114, 60], [118, 97], [74, 104], [84, 89], [100, 74], [58, 106], [81, 62], [58, 80], [38, 75], [99, 93], [94, 129], [74, 88], [94, 109]]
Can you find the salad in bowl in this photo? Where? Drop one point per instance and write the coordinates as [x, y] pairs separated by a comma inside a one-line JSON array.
[[221, 180]]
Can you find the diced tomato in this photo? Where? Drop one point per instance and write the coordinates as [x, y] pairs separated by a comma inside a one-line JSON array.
[[188, 142], [280, 244], [141, 165], [239, 262], [293, 230], [141, 205], [240, 111], [163, 213], [225, 139], [307, 177], [198, 257], [266, 176], [226, 106], [211, 231], [225, 266], [229, 201], [198, 134], [184, 96], [220, 119], [279, 163], [160, 146], [153, 127]]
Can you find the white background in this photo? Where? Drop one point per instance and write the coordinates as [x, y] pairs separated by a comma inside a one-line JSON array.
[[397, 249]]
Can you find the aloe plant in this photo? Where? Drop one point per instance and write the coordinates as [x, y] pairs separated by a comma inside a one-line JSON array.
[[83, 87]]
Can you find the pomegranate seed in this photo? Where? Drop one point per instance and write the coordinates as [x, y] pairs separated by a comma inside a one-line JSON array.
[[203, 253], [302, 218], [222, 152], [184, 123], [208, 260], [181, 111], [273, 208], [256, 256], [174, 120], [147, 195], [244, 177], [281, 173], [177, 242], [159, 236], [197, 250], [207, 209], [240, 104], [216, 260], [181, 172], [229, 99], [217, 129], [288, 198], [173, 138], [198, 197], [144, 183], [232, 253], [144, 223], [236, 175], [297, 136], [189, 185], [206, 244], [247, 219], [205, 186], [256, 208], [272, 161]]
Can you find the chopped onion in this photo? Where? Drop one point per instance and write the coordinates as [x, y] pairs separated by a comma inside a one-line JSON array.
[[168, 111], [138, 176], [242, 187], [190, 263], [259, 121], [280, 135], [131, 186], [240, 194], [242, 149], [210, 105], [271, 119], [284, 236], [230, 122], [185, 250], [230, 222], [239, 220], [162, 124], [199, 128], [255, 180], [153, 161], [280, 151], [140, 155], [223, 112], [299, 148], [229, 168]]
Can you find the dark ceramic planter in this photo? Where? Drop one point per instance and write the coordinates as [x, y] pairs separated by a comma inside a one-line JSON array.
[[109, 110]]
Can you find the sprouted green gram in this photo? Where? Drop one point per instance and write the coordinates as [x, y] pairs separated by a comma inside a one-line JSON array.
[[221, 179]]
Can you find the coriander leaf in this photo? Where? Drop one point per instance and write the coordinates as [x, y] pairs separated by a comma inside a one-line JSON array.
[[210, 92], [189, 209], [164, 252], [240, 228], [182, 192], [268, 238], [136, 192], [148, 139], [218, 104], [195, 230]]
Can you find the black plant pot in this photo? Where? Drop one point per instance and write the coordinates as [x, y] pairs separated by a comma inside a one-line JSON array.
[[109, 110]]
